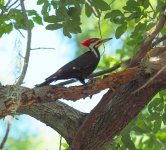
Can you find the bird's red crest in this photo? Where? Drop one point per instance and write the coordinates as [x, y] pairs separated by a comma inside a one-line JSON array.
[[88, 41]]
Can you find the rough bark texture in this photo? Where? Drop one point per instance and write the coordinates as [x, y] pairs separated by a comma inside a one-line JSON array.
[[61, 117], [118, 113]]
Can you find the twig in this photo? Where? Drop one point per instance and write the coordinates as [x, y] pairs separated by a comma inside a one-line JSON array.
[[42, 48], [151, 6], [6, 134], [60, 142], [8, 3], [97, 73], [159, 40], [99, 24], [111, 2], [20, 33], [3, 11], [95, 11], [27, 55], [150, 80], [13, 4], [16, 6]]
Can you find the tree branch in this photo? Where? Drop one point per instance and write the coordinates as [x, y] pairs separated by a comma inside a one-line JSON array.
[[159, 40], [85, 127], [88, 124], [38, 48], [53, 93], [146, 45], [6, 134], [117, 114], [13, 4], [28, 48], [115, 67], [58, 115]]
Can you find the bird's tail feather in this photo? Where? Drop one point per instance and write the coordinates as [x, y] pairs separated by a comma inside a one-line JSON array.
[[47, 82]]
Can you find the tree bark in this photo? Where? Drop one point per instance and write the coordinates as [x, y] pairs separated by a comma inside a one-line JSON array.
[[59, 116]]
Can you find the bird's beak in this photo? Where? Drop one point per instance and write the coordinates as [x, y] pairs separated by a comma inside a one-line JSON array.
[[105, 40], [102, 41]]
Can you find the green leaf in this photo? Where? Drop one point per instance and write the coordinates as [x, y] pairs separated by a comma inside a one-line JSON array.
[[32, 12], [74, 13], [108, 15], [3, 8], [45, 9], [162, 94], [72, 26], [66, 32], [88, 10], [71, 11], [120, 30], [54, 4], [100, 4], [75, 30], [39, 2], [115, 16], [164, 115], [131, 5], [53, 26], [31, 24], [38, 20], [9, 28], [157, 125], [54, 19], [2, 2], [156, 105], [141, 125], [153, 117], [138, 129], [133, 15], [65, 145], [126, 139], [146, 4]]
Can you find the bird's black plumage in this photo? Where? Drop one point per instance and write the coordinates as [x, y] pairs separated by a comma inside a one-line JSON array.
[[82, 66], [79, 68]]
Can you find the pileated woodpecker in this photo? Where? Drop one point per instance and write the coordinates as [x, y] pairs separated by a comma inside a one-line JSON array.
[[80, 67]]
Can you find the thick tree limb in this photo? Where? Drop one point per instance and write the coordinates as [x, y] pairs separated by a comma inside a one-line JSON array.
[[52, 93], [59, 116], [123, 106], [118, 113]]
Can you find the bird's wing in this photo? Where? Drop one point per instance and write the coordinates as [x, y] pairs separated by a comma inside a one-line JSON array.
[[76, 66]]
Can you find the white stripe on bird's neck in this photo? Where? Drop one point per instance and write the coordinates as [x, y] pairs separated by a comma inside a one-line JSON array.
[[91, 46]]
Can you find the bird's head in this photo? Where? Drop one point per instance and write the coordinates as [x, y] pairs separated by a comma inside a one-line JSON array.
[[94, 42]]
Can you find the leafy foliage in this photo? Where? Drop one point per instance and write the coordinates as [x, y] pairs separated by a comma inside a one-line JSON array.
[[13, 18]]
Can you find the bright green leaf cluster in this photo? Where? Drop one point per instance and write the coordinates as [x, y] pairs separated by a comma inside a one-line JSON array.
[[12, 18], [67, 16], [100, 5]]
